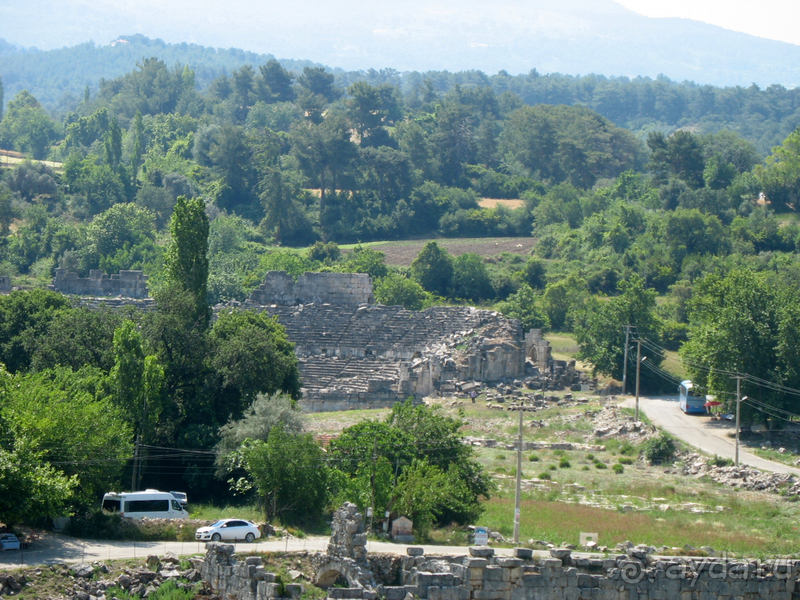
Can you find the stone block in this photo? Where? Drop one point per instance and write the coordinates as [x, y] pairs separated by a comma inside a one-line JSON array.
[[444, 593], [496, 586], [508, 562], [415, 551], [493, 573], [294, 590], [475, 563], [523, 553], [394, 592], [551, 563], [344, 592], [481, 551]]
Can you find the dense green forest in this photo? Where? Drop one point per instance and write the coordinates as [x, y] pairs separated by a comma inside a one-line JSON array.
[[59, 79], [677, 225]]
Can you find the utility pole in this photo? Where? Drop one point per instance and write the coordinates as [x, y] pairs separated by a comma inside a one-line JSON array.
[[625, 360], [134, 478], [738, 412], [518, 495], [638, 371]]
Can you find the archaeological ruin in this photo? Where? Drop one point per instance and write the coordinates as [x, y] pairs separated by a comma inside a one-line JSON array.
[[560, 574], [128, 284], [355, 353]]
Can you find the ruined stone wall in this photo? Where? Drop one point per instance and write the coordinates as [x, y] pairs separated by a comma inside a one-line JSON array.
[[483, 576], [346, 289], [130, 284], [242, 579], [352, 357]]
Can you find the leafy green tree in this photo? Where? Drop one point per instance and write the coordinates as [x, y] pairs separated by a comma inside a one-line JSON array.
[[98, 186], [127, 378], [22, 315], [7, 210], [433, 269], [32, 488], [370, 109], [567, 144], [73, 338], [780, 177], [471, 279], [275, 83], [600, 332], [561, 298], [289, 473], [324, 152], [366, 260], [324, 253], [64, 415], [251, 355], [138, 148], [680, 154], [186, 260], [397, 290], [266, 411], [27, 127], [423, 489], [121, 225], [364, 453], [32, 179], [315, 80], [525, 305], [535, 273], [743, 322]]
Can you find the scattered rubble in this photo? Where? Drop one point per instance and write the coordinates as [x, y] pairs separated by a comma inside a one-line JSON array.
[[741, 477], [611, 422]]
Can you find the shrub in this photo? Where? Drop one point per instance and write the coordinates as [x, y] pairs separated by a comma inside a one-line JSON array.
[[590, 456], [599, 465], [564, 464], [624, 460], [545, 475], [553, 467], [659, 449], [98, 524], [719, 461], [533, 458], [618, 469], [627, 448]]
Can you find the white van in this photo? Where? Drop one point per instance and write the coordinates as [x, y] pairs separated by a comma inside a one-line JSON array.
[[150, 503]]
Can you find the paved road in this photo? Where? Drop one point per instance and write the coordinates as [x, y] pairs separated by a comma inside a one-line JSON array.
[[58, 549], [712, 437]]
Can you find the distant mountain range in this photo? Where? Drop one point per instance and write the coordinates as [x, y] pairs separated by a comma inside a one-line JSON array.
[[568, 36]]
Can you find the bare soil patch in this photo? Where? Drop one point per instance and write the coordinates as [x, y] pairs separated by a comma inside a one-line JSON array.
[[402, 254], [492, 202]]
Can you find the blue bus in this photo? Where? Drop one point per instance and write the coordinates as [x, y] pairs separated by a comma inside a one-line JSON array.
[[690, 402]]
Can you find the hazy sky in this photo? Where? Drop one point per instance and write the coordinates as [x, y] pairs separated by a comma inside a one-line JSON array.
[[773, 19]]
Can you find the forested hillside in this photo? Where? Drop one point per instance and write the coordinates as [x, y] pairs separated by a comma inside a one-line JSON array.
[[60, 79], [689, 234]]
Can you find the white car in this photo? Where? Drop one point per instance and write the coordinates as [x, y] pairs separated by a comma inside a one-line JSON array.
[[229, 529], [8, 541]]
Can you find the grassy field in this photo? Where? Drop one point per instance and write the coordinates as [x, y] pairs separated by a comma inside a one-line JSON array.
[[569, 492]]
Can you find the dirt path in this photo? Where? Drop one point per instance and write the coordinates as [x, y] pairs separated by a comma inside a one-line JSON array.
[[701, 432]]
